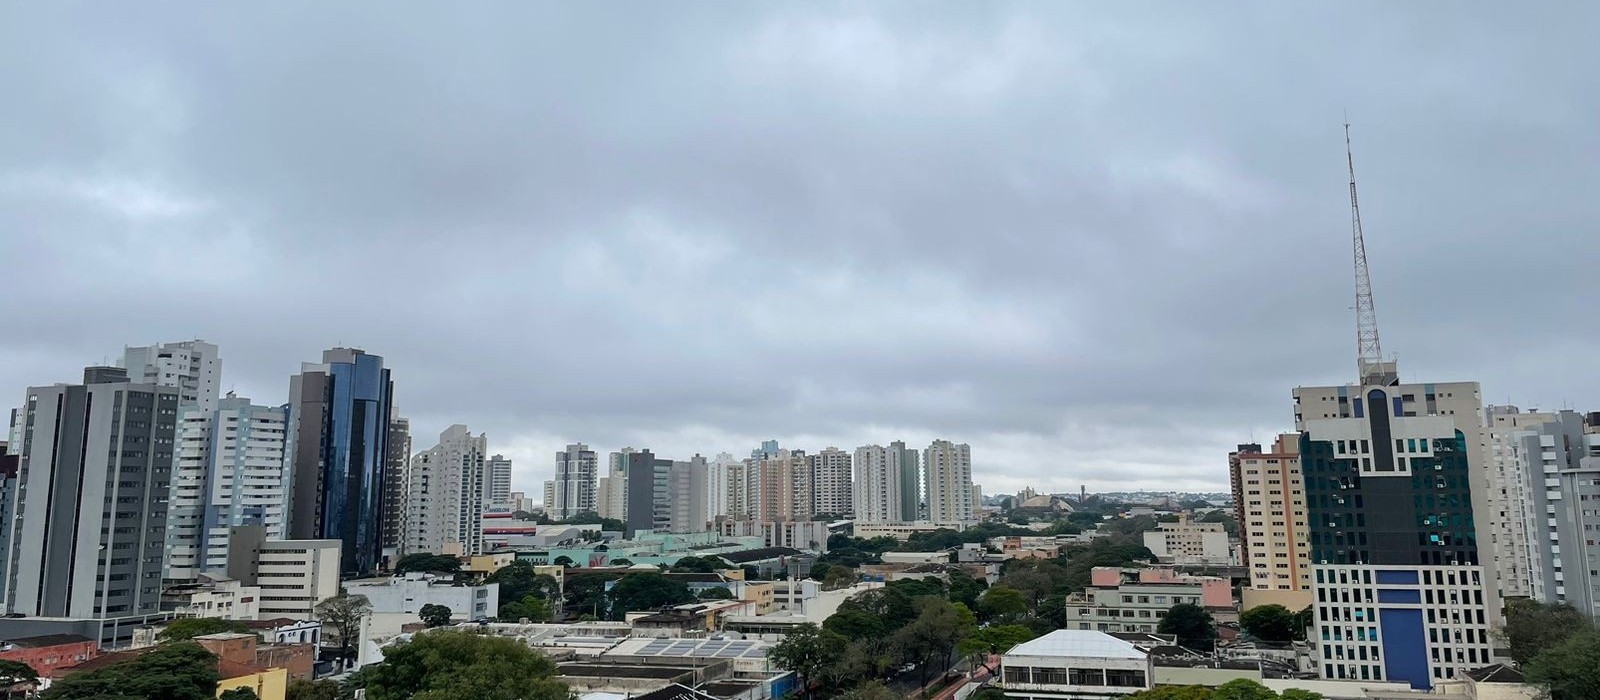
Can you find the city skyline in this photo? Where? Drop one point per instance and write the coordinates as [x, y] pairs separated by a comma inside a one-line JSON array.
[[1076, 279]]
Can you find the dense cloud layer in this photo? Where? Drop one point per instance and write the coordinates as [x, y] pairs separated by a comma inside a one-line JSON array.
[[1098, 246]]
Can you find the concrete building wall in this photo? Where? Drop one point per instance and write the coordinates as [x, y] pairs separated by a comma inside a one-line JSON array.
[[231, 469], [293, 575], [191, 366], [948, 469]]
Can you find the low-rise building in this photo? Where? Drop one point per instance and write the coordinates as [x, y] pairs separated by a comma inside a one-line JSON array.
[[398, 600], [810, 535], [46, 653], [1075, 665], [902, 531], [213, 595], [1135, 600], [293, 575]]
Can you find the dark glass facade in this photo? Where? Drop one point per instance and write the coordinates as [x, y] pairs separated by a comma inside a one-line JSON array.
[[1421, 519]]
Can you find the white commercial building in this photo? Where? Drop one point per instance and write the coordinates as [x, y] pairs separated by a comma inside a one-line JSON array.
[[947, 471], [1075, 665], [230, 470], [398, 600], [191, 366], [572, 491], [293, 575], [447, 490]]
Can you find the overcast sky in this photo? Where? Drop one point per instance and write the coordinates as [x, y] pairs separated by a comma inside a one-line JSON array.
[[1099, 243]]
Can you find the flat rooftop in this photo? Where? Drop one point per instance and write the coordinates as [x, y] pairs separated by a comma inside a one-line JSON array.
[[1078, 643]]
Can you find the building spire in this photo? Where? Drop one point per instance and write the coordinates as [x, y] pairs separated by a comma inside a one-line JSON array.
[[1369, 352]]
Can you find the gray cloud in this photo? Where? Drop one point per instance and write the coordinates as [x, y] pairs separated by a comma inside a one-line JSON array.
[[1100, 245]]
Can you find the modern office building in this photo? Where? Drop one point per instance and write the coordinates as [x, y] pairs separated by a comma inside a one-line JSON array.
[[91, 500], [1270, 506], [396, 465], [230, 470], [293, 575], [191, 366], [877, 486], [648, 495], [577, 472], [1392, 476], [339, 412], [948, 488], [447, 492], [499, 467], [831, 483], [687, 483]]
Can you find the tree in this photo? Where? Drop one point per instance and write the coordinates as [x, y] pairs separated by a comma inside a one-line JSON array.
[[1002, 602], [312, 690], [452, 665], [342, 614], [1192, 624], [1173, 692], [1532, 627], [993, 641], [592, 518], [1303, 621], [1269, 623], [191, 627], [647, 591], [808, 651], [1299, 694], [434, 615], [872, 614], [964, 589], [839, 577], [716, 593], [177, 671], [14, 673], [870, 690], [518, 580], [426, 562], [1243, 689], [1569, 669], [565, 560], [934, 634], [530, 608], [238, 694], [696, 565]]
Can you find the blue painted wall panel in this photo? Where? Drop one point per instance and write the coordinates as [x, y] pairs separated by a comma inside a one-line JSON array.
[[1399, 595], [1405, 647]]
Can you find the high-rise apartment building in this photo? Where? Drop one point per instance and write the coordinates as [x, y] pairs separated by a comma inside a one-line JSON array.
[[831, 483], [1510, 498], [877, 485], [687, 483], [648, 494], [447, 491], [1270, 505], [1392, 476], [720, 487], [191, 366], [339, 413], [395, 467], [1558, 465], [904, 460], [91, 505], [778, 486], [948, 489], [230, 471], [499, 467], [577, 469]]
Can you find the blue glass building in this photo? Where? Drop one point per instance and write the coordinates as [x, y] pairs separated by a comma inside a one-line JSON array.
[[340, 412]]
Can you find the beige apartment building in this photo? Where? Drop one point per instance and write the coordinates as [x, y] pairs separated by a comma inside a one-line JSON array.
[[1270, 505]]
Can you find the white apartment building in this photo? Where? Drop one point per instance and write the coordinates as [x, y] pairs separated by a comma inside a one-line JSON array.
[[447, 490], [398, 600], [831, 483], [808, 535], [1510, 499], [293, 575], [686, 481], [191, 366], [877, 486], [719, 485], [1189, 543], [230, 470], [573, 489], [1270, 505], [947, 470], [499, 468], [214, 595]]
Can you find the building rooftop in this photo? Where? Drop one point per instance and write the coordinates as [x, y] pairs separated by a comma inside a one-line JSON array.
[[1497, 673], [675, 692], [699, 648], [754, 555], [1079, 643], [48, 640]]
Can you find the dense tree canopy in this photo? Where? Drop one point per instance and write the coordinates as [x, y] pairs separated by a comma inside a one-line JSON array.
[[696, 565], [313, 690], [1570, 668], [531, 608], [592, 518], [518, 580], [177, 671], [646, 591], [809, 652], [1532, 627], [716, 593], [427, 562], [434, 615], [1192, 624], [994, 640], [1002, 603], [13, 673], [191, 627], [451, 665], [1240, 689], [1269, 623]]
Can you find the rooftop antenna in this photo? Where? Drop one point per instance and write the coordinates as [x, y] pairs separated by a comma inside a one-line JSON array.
[[1369, 352]]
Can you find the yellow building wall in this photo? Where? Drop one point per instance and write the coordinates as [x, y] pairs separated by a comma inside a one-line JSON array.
[[271, 684]]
